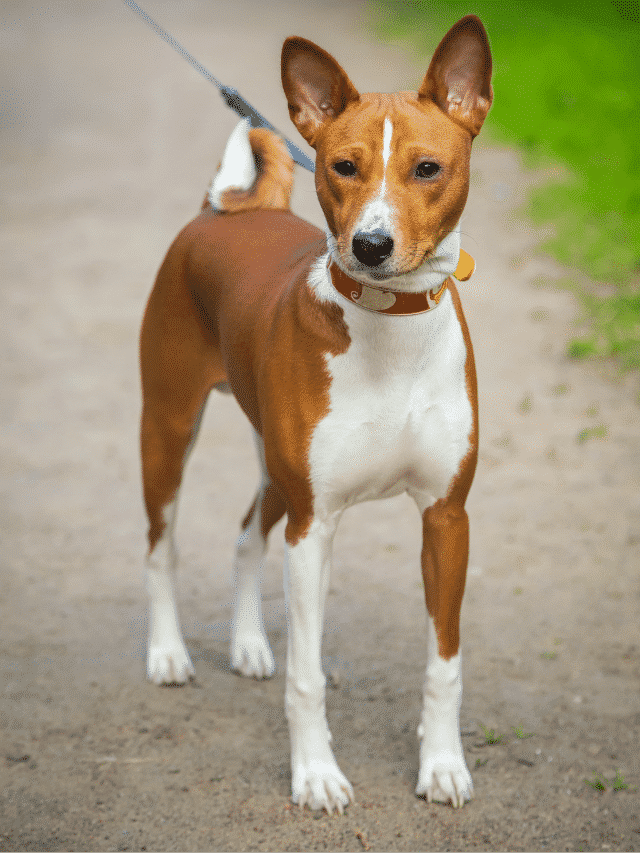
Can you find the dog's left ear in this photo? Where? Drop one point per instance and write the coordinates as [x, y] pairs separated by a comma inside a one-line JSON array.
[[459, 77], [316, 86]]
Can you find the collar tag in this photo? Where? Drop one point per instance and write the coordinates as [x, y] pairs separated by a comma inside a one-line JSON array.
[[466, 267]]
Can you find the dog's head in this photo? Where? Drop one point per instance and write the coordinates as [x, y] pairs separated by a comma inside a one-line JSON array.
[[392, 171]]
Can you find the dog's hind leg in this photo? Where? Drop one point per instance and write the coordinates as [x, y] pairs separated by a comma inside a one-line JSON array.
[[250, 652], [178, 366]]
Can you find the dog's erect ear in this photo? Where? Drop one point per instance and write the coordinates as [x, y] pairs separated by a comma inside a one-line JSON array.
[[316, 87], [459, 77]]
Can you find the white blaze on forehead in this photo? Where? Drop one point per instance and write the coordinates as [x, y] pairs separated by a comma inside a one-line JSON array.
[[386, 143], [377, 214]]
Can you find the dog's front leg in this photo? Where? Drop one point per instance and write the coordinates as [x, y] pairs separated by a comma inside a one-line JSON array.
[[443, 772], [317, 781]]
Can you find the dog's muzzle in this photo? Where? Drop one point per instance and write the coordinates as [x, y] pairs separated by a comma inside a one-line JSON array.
[[371, 248]]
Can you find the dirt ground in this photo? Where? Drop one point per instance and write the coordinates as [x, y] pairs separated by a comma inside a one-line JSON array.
[[108, 142]]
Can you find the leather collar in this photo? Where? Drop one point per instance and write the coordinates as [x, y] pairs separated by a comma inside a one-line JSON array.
[[397, 303]]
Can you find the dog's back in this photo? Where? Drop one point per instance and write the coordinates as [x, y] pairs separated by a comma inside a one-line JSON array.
[[245, 244]]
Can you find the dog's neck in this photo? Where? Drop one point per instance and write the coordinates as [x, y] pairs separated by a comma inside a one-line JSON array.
[[414, 293], [394, 302], [430, 275]]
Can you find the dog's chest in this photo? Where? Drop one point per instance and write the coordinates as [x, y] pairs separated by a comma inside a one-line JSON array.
[[400, 416]]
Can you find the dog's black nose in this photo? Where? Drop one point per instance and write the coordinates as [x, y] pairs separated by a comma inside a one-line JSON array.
[[372, 247]]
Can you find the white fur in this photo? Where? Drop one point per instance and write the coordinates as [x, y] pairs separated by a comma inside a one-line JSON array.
[[378, 213], [238, 168], [399, 416], [250, 651], [399, 420], [168, 660], [387, 136], [443, 774], [429, 276], [317, 781], [319, 280], [442, 263]]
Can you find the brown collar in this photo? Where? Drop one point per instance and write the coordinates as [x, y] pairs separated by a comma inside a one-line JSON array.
[[396, 302]]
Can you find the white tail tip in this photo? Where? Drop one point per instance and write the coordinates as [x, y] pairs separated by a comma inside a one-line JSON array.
[[238, 168]]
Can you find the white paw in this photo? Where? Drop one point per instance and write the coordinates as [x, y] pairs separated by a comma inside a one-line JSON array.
[[321, 785], [251, 656], [444, 778], [169, 664]]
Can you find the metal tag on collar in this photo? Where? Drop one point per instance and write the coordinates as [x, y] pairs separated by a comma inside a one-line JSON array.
[[466, 267]]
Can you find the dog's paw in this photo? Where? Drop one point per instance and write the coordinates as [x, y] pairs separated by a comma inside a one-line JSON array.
[[251, 656], [169, 664], [444, 778], [321, 785]]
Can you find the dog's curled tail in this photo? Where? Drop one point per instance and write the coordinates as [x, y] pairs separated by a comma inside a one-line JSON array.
[[256, 172]]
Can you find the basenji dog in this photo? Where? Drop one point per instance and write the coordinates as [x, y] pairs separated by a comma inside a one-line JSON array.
[[350, 356]]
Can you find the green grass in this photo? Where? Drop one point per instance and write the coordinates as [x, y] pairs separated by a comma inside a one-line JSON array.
[[618, 783], [567, 91], [520, 733], [588, 433], [613, 328], [490, 736], [599, 783]]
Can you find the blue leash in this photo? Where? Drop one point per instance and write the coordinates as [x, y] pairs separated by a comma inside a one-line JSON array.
[[231, 97]]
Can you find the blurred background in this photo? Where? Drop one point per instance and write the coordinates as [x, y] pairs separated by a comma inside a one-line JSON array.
[[107, 142]]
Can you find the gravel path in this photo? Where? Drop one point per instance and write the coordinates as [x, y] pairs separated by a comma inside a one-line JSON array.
[[109, 142]]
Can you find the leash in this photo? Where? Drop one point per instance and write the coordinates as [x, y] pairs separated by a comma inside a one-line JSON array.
[[231, 97]]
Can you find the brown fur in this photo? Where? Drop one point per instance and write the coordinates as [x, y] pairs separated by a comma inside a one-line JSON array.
[[231, 302], [197, 333], [272, 188]]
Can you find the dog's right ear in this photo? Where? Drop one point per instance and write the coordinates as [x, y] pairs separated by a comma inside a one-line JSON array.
[[317, 88]]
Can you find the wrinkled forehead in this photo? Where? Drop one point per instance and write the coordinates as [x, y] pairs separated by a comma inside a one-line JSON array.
[[413, 125]]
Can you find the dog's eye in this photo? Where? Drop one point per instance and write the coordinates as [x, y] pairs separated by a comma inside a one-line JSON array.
[[427, 169], [345, 168]]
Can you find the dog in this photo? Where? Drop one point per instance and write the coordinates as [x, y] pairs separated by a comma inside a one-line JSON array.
[[350, 356]]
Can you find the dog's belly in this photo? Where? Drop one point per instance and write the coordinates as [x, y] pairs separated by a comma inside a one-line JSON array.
[[399, 418]]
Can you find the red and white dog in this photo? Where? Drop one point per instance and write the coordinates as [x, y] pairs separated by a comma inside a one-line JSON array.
[[351, 358]]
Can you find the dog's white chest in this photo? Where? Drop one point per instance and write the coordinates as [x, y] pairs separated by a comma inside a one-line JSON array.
[[400, 416]]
